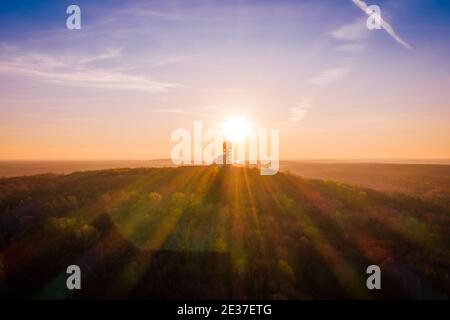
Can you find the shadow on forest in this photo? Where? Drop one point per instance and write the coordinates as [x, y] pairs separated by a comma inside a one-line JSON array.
[[123, 272]]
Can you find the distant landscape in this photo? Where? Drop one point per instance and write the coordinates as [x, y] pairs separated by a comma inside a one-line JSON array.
[[216, 232], [27, 168], [430, 178]]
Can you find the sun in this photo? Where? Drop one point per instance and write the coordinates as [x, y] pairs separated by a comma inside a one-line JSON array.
[[236, 129]]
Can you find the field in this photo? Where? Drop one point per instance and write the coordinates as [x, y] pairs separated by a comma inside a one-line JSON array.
[[214, 232]]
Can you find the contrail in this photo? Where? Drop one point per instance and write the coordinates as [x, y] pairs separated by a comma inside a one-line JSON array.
[[386, 26]]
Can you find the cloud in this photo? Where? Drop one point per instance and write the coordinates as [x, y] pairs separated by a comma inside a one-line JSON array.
[[386, 26], [299, 112], [150, 13], [329, 76], [188, 111], [77, 71], [175, 110], [149, 9], [109, 54], [354, 35], [353, 31]]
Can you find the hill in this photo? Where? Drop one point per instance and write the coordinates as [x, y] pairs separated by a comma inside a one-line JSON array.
[[212, 232]]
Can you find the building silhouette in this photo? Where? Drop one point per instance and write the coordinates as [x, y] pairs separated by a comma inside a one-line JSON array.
[[227, 154]]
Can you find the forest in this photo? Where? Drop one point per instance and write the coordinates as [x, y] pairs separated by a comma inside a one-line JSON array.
[[211, 232]]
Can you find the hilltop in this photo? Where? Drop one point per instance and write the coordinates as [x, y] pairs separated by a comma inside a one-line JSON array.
[[212, 232]]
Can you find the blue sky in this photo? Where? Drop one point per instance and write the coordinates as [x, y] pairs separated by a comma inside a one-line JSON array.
[[139, 69]]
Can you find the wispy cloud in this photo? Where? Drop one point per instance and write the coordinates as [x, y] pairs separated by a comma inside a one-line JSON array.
[[329, 76], [187, 111], [352, 31], [386, 26], [77, 71], [175, 110], [146, 12], [108, 54], [353, 36], [300, 111]]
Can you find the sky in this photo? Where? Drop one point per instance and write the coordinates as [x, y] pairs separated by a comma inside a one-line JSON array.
[[137, 70]]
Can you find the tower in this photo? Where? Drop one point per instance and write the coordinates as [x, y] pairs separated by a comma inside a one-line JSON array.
[[227, 154]]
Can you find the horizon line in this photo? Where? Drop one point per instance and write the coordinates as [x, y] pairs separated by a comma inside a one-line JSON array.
[[397, 160]]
